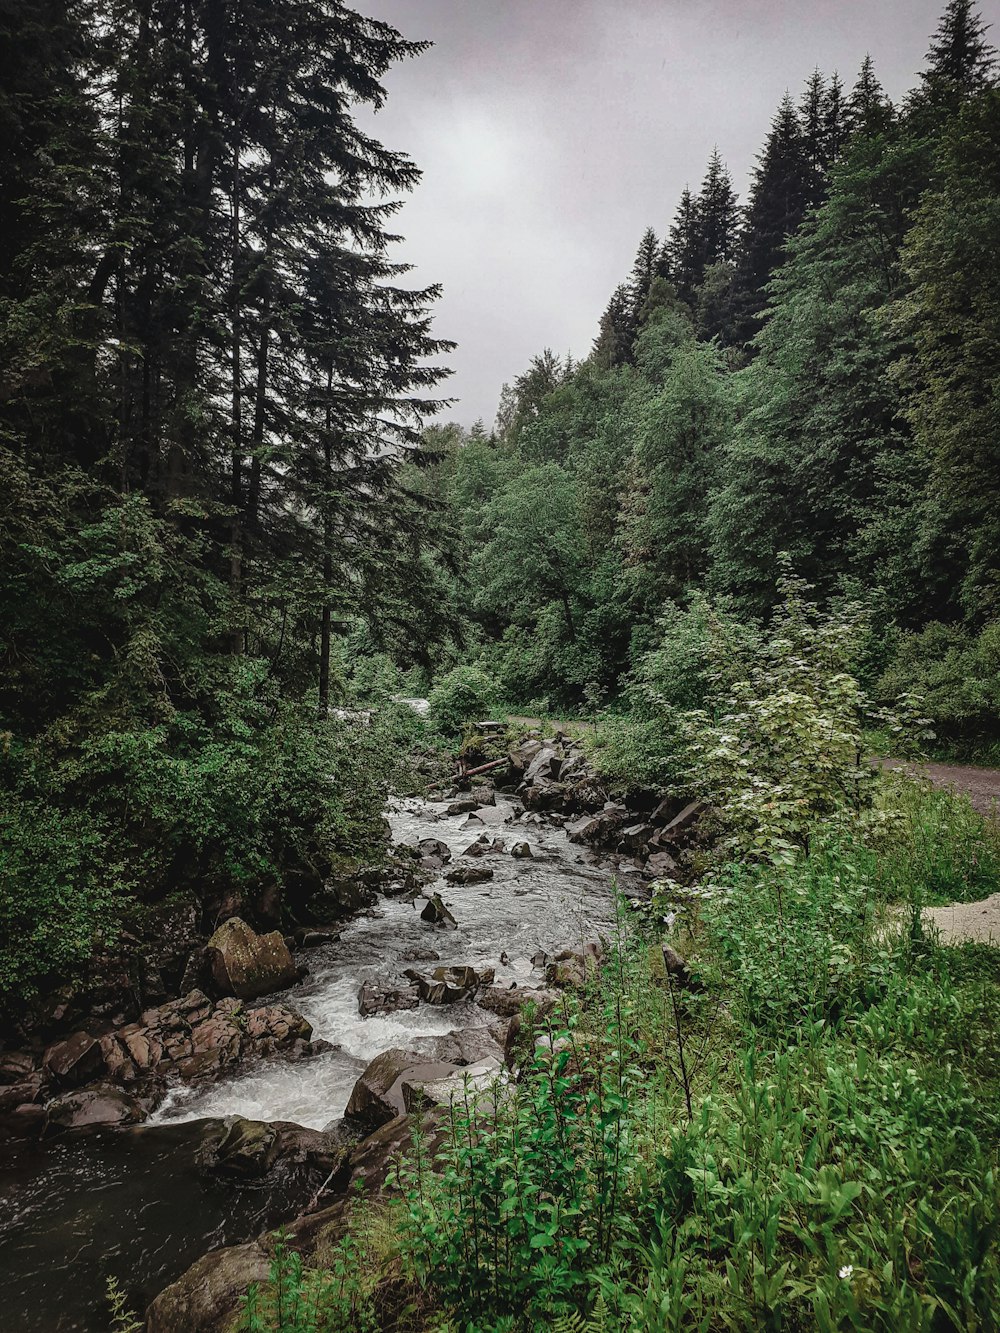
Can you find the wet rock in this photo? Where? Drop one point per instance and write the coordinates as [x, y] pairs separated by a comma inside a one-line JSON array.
[[377, 1097], [434, 849], [661, 865], [450, 985], [206, 1297], [419, 955], [245, 1149], [437, 914], [682, 822], [99, 1106], [600, 828], [385, 995], [468, 1084], [506, 1003], [487, 815], [484, 795], [470, 1046], [13, 1095], [16, 1066], [547, 763], [544, 794], [464, 806], [469, 875], [574, 967], [248, 965], [522, 850], [634, 837], [75, 1060], [369, 1103], [311, 938]]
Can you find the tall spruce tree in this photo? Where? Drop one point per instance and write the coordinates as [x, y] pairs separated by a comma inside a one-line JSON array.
[[780, 193], [684, 246], [717, 215], [960, 60]]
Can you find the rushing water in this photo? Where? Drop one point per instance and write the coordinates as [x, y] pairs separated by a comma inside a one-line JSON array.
[[134, 1203]]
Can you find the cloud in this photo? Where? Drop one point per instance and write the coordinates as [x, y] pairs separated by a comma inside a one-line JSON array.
[[551, 133]]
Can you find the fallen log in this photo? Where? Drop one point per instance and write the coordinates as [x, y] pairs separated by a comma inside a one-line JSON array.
[[464, 772]]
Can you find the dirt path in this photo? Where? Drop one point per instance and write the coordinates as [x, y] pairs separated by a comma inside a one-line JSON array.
[[959, 922], [981, 784]]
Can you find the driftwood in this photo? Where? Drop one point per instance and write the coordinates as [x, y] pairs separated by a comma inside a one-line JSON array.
[[483, 768]]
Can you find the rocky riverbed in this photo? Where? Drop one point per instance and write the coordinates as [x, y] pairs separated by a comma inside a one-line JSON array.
[[212, 1116]]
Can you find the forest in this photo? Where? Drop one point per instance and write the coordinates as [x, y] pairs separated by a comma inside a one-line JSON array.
[[680, 603]]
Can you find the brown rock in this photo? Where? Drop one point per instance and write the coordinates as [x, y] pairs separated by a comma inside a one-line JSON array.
[[246, 964], [98, 1106], [206, 1297], [369, 1102], [75, 1060], [508, 1003], [469, 875]]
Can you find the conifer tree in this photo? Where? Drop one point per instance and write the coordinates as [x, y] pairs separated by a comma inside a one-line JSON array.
[[684, 246], [780, 193], [717, 215], [869, 111], [644, 272], [960, 60]]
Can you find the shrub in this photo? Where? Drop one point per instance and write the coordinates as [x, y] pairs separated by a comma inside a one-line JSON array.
[[957, 674], [466, 694]]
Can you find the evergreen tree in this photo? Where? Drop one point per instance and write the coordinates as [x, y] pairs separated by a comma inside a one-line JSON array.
[[960, 60], [717, 215], [644, 272], [684, 247], [834, 121], [780, 194], [617, 330], [869, 111], [812, 118]]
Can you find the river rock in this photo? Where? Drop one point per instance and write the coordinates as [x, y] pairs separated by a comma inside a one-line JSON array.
[[75, 1060], [385, 995], [469, 875], [522, 850], [507, 1003], [208, 1295], [98, 1107], [437, 914], [449, 985], [377, 1097], [420, 955], [470, 1083], [464, 806], [248, 965], [470, 1046]]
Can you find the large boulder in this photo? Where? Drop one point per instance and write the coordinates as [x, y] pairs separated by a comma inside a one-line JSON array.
[[377, 1097], [248, 965], [467, 1084], [75, 1060], [449, 985], [99, 1107], [437, 914], [469, 875], [385, 995], [209, 1294]]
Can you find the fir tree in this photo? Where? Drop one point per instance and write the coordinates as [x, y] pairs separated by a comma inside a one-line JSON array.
[[960, 60], [684, 246], [869, 111], [717, 216]]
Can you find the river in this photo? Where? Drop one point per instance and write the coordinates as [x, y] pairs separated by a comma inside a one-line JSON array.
[[134, 1203]]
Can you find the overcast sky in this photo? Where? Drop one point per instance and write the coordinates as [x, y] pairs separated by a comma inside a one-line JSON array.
[[551, 133]]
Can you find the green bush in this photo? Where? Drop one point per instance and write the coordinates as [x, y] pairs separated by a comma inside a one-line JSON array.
[[957, 675], [466, 694], [88, 831]]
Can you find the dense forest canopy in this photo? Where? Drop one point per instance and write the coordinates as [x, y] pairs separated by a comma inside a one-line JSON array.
[[212, 372], [811, 371]]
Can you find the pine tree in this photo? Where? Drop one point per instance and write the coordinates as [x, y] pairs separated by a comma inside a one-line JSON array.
[[834, 121], [814, 142], [869, 111], [644, 272], [717, 214], [780, 193], [616, 332], [684, 246], [960, 60]]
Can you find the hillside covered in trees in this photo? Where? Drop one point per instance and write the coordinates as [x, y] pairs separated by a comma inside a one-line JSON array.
[[811, 371]]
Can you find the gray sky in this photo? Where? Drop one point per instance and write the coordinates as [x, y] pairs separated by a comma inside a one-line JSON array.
[[551, 133]]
